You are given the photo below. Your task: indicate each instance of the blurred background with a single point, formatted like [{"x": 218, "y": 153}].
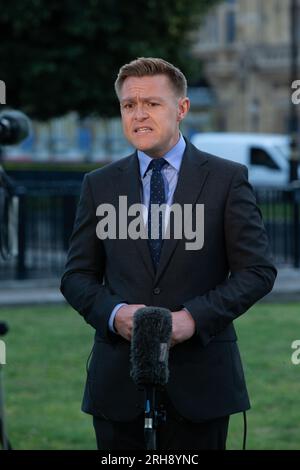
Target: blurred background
[{"x": 58, "y": 64}]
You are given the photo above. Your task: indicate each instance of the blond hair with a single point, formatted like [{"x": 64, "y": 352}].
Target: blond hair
[{"x": 150, "y": 66}]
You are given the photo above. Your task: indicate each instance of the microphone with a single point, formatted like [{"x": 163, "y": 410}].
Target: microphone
[
  {"x": 14, "y": 127},
  {"x": 152, "y": 329},
  {"x": 151, "y": 337}
]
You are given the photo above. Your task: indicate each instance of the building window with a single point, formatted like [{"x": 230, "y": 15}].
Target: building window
[
  {"x": 298, "y": 21},
  {"x": 230, "y": 27}
]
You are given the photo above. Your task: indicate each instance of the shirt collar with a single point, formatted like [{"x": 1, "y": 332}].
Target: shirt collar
[{"x": 173, "y": 156}]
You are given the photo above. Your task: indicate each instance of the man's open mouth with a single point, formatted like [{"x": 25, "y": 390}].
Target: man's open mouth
[{"x": 142, "y": 130}]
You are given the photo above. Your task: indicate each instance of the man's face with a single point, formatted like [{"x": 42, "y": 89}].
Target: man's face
[{"x": 151, "y": 113}]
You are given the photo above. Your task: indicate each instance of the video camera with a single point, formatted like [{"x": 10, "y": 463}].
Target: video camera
[{"x": 14, "y": 127}]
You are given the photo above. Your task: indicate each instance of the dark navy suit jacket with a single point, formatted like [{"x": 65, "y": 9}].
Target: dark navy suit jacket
[{"x": 216, "y": 284}]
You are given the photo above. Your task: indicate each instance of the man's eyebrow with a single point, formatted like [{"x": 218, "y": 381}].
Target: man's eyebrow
[{"x": 148, "y": 98}]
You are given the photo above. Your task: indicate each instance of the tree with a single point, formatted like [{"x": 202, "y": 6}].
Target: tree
[{"x": 64, "y": 55}]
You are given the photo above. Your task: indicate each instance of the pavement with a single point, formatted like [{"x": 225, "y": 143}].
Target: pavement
[
  {"x": 46, "y": 291},
  {"x": 286, "y": 287}
]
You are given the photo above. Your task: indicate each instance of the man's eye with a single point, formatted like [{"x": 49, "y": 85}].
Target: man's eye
[
  {"x": 127, "y": 106},
  {"x": 152, "y": 105}
]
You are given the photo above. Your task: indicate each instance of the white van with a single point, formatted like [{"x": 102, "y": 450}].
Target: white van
[{"x": 265, "y": 155}]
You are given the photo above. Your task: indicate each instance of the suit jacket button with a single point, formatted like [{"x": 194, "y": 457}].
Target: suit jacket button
[{"x": 156, "y": 290}]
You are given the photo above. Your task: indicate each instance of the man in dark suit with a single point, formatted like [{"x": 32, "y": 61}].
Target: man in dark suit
[{"x": 205, "y": 286}]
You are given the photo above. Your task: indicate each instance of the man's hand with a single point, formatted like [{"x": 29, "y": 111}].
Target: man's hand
[
  {"x": 183, "y": 326},
  {"x": 123, "y": 322}
]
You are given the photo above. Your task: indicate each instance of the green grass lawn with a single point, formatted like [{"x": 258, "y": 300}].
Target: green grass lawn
[{"x": 47, "y": 348}]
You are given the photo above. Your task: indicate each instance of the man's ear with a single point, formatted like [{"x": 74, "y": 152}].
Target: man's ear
[{"x": 183, "y": 108}]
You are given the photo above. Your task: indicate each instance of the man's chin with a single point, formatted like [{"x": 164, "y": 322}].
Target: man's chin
[
  {"x": 151, "y": 152},
  {"x": 145, "y": 147}
]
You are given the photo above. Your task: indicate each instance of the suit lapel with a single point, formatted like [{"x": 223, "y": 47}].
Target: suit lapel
[{"x": 130, "y": 185}]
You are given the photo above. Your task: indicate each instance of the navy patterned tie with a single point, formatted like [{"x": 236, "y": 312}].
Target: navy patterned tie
[{"x": 157, "y": 196}]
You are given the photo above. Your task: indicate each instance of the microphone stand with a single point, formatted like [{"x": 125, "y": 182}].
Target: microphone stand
[
  {"x": 150, "y": 419},
  {"x": 153, "y": 417}
]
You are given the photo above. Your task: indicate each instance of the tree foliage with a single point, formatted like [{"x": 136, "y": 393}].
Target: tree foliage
[{"x": 65, "y": 54}]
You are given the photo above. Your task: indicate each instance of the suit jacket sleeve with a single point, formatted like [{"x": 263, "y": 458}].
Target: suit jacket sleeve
[
  {"x": 252, "y": 273},
  {"x": 83, "y": 281}
]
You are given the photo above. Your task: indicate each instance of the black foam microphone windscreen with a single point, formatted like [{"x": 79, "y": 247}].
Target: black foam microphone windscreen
[{"x": 151, "y": 337}]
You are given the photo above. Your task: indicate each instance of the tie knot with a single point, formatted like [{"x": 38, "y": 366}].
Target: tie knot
[{"x": 156, "y": 164}]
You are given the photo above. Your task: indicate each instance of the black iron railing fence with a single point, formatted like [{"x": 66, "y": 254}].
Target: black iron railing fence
[
  {"x": 47, "y": 210},
  {"x": 46, "y": 214},
  {"x": 281, "y": 214}
]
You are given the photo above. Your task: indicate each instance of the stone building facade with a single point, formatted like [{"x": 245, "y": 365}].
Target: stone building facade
[{"x": 245, "y": 48}]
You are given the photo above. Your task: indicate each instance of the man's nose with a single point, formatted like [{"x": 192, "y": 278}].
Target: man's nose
[{"x": 140, "y": 112}]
